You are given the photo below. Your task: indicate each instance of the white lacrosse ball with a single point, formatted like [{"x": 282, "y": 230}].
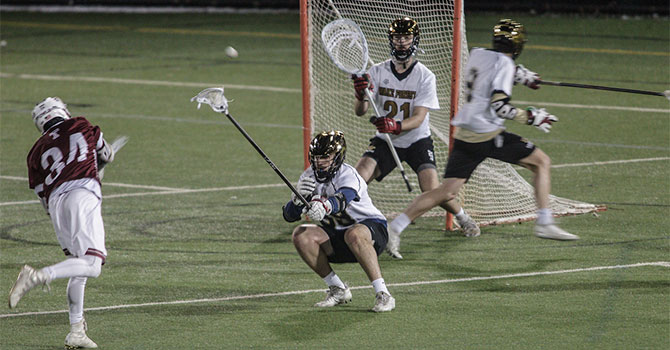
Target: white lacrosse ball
[{"x": 230, "y": 52}]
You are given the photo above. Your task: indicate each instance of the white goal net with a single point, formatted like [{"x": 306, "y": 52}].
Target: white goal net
[{"x": 496, "y": 193}]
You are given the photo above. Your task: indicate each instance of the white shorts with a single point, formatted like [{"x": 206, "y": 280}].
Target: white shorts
[{"x": 77, "y": 219}]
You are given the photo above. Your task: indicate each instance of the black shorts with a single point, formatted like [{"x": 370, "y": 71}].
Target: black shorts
[
  {"x": 465, "y": 156},
  {"x": 341, "y": 251},
  {"x": 419, "y": 155}
]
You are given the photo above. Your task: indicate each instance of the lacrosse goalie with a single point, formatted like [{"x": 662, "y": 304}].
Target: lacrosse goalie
[
  {"x": 406, "y": 89},
  {"x": 63, "y": 169},
  {"x": 350, "y": 228},
  {"x": 490, "y": 75}
]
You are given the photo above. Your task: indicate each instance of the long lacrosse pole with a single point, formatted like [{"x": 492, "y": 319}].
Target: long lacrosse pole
[
  {"x": 665, "y": 94},
  {"x": 267, "y": 159},
  {"x": 387, "y": 138}
]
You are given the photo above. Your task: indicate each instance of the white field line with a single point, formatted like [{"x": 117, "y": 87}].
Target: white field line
[
  {"x": 144, "y": 82},
  {"x": 170, "y": 190},
  {"x": 624, "y": 161},
  {"x": 306, "y": 291},
  {"x": 275, "y": 89}
]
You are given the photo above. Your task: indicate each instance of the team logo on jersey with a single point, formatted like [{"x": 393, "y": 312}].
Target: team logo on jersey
[{"x": 386, "y": 81}]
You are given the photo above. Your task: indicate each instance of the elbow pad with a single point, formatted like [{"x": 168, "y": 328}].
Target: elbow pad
[{"x": 502, "y": 107}]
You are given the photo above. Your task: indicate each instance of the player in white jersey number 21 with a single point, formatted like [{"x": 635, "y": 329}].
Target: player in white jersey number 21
[
  {"x": 405, "y": 90},
  {"x": 490, "y": 75}
]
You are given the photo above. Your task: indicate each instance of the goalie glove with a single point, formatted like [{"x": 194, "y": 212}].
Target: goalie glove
[
  {"x": 306, "y": 187},
  {"x": 540, "y": 118},
  {"x": 319, "y": 209},
  {"x": 361, "y": 83},
  {"x": 388, "y": 126},
  {"x": 526, "y": 77}
]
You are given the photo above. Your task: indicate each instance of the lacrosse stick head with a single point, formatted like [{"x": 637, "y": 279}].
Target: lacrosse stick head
[
  {"x": 346, "y": 46},
  {"x": 214, "y": 98}
]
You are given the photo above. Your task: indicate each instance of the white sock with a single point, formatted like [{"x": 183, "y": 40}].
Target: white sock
[
  {"x": 461, "y": 215},
  {"x": 334, "y": 280},
  {"x": 380, "y": 286},
  {"x": 88, "y": 266},
  {"x": 544, "y": 217},
  {"x": 75, "y": 298},
  {"x": 400, "y": 223}
]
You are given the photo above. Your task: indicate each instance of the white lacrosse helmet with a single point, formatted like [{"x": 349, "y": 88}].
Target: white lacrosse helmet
[{"x": 50, "y": 108}]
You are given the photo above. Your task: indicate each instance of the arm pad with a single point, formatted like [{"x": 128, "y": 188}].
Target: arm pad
[
  {"x": 291, "y": 212},
  {"x": 502, "y": 107}
]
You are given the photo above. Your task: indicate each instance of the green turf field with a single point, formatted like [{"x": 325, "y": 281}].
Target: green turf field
[{"x": 199, "y": 256}]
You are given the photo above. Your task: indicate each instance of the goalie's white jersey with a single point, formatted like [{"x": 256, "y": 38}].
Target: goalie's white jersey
[
  {"x": 486, "y": 71},
  {"x": 396, "y": 98},
  {"x": 358, "y": 209}
]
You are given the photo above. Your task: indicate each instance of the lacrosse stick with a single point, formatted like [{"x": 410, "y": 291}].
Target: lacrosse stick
[
  {"x": 116, "y": 145},
  {"x": 346, "y": 46},
  {"x": 665, "y": 93},
  {"x": 214, "y": 98}
]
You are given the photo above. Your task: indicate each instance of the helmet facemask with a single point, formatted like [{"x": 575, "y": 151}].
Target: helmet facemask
[
  {"x": 403, "y": 26},
  {"x": 509, "y": 37},
  {"x": 49, "y": 112},
  {"x": 325, "y": 145}
]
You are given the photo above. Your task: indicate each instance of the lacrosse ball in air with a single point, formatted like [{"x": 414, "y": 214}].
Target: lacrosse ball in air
[
  {"x": 230, "y": 52},
  {"x": 3, "y": 43}
]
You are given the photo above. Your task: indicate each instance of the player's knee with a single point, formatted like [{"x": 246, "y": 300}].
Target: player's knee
[
  {"x": 94, "y": 266},
  {"x": 301, "y": 235},
  {"x": 356, "y": 236}
]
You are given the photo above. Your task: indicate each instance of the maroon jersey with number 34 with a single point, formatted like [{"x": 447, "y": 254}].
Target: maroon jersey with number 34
[{"x": 66, "y": 152}]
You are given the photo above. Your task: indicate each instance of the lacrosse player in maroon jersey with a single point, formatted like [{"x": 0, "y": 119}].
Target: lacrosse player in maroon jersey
[
  {"x": 480, "y": 131},
  {"x": 406, "y": 91},
  {"x": 64, "y": 170}
]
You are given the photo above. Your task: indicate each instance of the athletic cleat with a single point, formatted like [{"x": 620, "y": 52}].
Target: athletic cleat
[
  {"x": 469, "y": 227},
  {"x": 383, "y": 302},
  {"x": 77, "y": 338},
  {"x": 554, "y": 232},
  {"x": 393, "y": 244},
  {"x": 335, "y": 296},
  {"x": 27, "y": 280}
]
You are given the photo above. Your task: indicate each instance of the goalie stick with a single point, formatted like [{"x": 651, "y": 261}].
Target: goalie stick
[
  {"x": 214, "y": 98},
  {"x": 665, "y": 93},
  {"x": 347, "y": 47}
]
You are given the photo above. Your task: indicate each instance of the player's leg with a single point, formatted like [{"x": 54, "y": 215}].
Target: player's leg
[
  {"x": 314, "y": 246},
  {"x": 366, "y": 241},
  {"x": 540, "y": 164},
  {"x": 376, "y": 162},
  {"x": 367, "y": 168},
  {"x": 421, "y": 157},
  {"x": 77, "y": 337},
  {"x": 80, "y": 231},
  {"x": 427, "y": 181}
]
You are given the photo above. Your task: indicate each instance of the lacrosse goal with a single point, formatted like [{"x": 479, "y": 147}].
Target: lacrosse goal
[{"x": 496, "y": 193}]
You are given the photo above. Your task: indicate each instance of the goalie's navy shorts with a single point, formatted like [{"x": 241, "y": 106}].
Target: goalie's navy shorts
[
  {"x": 466, "y": 156},
  {"x": 419, "y": 155},
  {"x": 341, "y": 251}
]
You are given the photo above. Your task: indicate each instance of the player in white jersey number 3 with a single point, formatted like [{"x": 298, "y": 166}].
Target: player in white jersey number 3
[
  {"x": 350, "y": 228},
  {"x": 405, "y": 90},
  {"x": 490, "y": 75},
  {"x": 63, "y": 169}
]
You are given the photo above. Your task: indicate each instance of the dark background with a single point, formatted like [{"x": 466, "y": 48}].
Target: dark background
[{"x": 586, "y": 7}]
